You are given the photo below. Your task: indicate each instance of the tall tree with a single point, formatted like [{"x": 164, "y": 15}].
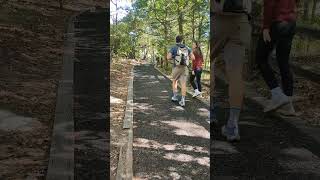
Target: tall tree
[
  {"x": 61, "y": 4},
  {"x": 159, "y": 21},
  {"x": 314, "y": 8}
]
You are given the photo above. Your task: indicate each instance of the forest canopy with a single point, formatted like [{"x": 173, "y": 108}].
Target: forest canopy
[{"x": 150, "y": 27}]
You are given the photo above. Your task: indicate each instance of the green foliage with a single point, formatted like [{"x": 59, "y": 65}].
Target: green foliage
[
  {"x": 157, "y": 23},
  {"x": 120, "y": 39}
]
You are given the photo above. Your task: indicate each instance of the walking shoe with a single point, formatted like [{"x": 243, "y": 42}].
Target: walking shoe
[
  {"x": 287, "y": 110},
  {"x": 232, "y": 134},
  {"x": 174, "y": 99},
  {"x": 196, "y": 93},
  {"x": 182, "y": 103},
  {"x": 276, "y": 102},
  {"x": 212, "y": 119}
]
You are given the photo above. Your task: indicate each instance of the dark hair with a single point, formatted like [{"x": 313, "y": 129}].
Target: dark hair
[
  {"x": 179, "y": 39},
  {"x": 197, "y": 50}
]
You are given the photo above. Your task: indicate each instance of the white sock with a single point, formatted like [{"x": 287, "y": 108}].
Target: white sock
[
  {"x": 234, "y": 115},
  {"x": 183, "y": 98},
  {"x": 175, "y": 94}
]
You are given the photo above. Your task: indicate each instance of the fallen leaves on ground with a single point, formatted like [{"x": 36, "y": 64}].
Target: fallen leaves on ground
[
  {"x": 31, "y": 49},
  {"x": 119, "y": 77}
]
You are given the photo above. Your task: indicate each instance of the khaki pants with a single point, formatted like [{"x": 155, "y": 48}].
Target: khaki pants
[{"x": 237, "y": 29}]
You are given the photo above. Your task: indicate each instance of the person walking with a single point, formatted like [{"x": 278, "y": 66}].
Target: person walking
[
  {"x": 196, "y": 69},
  {"x": 230, "y": 25},
  {"x": 180, "y": 54},
  {"x": 278, "y": 30}
]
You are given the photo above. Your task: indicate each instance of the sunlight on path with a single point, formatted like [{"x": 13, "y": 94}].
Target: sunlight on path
[
  {"x": 205, "y": 161},
  {"x": 114, "y": 100},
  {"x": 13, "y": 122},
  {"x": 152, "y": 144},
  {"x": 188, "y": 129},
  {"x": 299, "y": 160}
]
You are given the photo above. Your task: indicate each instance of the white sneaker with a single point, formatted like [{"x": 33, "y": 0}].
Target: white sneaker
[
  {"x": 277, "y": 102},
  {"x": 196, "y": 93},
  {"x": 174, "y": 99},
  {"x": 232, "y": 134},
  {"x": 182, "y": 103},
  {"x": 287, "y": 110}
]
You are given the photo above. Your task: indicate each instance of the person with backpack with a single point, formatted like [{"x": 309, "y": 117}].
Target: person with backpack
[
  {"x": 196, "y": 69},
  {"x": 278, "y": 30},
  {"x": 180, "y": 54},
  {"x": 231, "y": 34}
]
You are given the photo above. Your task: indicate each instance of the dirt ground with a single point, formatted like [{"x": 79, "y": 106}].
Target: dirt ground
[
  {"x": 31, "y": 49},
  {"x": 119, "y": 77}
]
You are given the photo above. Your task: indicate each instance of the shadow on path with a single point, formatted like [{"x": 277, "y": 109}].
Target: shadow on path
[
  {"x": 269, "y": 149},
  {"x": 169, "y": 142},
  {"x": 91, "y": 102}
]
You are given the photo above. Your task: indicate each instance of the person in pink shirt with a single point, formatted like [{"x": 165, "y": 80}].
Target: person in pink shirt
[
  {"x": 196, "y": 69},
  {"x": 278, "y": 30}
]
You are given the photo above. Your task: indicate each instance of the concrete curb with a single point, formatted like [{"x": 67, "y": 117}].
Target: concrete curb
[
  {"x": 61, "y": 160},
  {"x": 188, "y": 91},
  {"x": 127, "y": 122},
  {"x": 125, "y": 162},
  {"x": 252, "y": 96}
]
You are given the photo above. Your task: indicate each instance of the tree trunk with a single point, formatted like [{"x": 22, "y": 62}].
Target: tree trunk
[
  {"x": 116, "y": 3},
  {"x": 180, "y": 19},
  {"x": 306, "y": 12},
  {"x": 193, "y": 22},
  {"x": 308, "y": 45},
  {"x": 61, "y": 4},
  {"x": 212, "y": 68},
  {"x": 165, "y": 44},
  {"x": 200, "y": 28},
  {"x": 314, "y": 8},
  {"x": 206, "y": 60},
  {"x": 166, "y": 32}
]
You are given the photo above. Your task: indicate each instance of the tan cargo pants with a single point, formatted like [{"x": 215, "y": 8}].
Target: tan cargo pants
[{"x": 237, "y": 30}]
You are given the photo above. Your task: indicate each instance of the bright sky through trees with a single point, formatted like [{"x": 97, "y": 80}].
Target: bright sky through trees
[{"x": 121, "y": 11}]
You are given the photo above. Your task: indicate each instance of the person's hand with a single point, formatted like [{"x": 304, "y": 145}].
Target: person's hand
[
  {"x": 266, "y": 35},
  {"x": 217, "y": 7},
  {"x": 192, "y": 73}
]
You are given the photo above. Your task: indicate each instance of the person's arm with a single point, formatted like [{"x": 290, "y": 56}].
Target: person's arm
[
  {"x": 192, "y": 57},
  {"x": 217, "y": 6},
  {"x": 267, "y": 19},
  {"x": 268, "y": 7},
  {"x": 169, "y": 56},
  {"x": 170, "y": 53}
]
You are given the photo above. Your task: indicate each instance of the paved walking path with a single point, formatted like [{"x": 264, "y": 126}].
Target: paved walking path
[
  {"x": 269, "y": 149},
  {"x": 90, "y": 97},
  {"x": 169, "y": 142}
]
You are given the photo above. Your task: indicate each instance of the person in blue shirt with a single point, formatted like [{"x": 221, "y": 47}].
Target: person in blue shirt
[{"x": 180, "y": 54}]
